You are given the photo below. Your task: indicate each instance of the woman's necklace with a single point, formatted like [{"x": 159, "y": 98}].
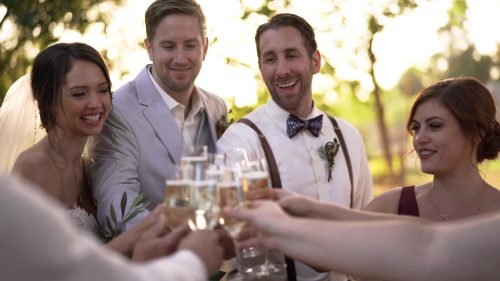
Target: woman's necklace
[{"x": 462, "y": 207}]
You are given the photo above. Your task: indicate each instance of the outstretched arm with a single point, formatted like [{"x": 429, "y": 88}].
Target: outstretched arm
[
  {"x": 303, "y": 206},
  {"x": 384, "y": 249},
  {"x": 60, "y": 252}
]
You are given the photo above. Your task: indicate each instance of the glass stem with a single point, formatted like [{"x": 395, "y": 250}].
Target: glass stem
[
  {"x": 239, "y": 260},
  {"x": 265, "y": 252}
]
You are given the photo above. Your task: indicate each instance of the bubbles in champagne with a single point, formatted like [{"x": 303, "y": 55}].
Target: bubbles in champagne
[
  {"x": 177, "y": 202},
  {"x": 229, "y": 195},
  {"x": 254, "y": 183},
  {"x": 203, "y": 201}
]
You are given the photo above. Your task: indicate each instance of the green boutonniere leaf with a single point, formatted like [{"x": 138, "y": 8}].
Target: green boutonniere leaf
[
  {"x": 223, "y": 123},
  {"x": 328, "y": 153}
]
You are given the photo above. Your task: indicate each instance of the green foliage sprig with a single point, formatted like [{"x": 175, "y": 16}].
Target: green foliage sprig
[
  {"x": 328, "y": 153},
  {"x": 113, "y": 227}
]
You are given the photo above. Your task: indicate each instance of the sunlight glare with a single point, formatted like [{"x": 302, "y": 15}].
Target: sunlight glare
[
  {"x": 322, "y": 83},
  {"x": 331, "y": 97},
  {"x": 408, "y": 40},
  {"x": 252, "y": 4},
  {"x": 484, "y": 16}
]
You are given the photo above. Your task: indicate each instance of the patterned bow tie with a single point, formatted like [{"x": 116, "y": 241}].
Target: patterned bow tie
[{"x": 294, "y": 124}]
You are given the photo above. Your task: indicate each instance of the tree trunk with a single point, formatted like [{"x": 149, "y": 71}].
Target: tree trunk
[{"x": 379, "y": 109}]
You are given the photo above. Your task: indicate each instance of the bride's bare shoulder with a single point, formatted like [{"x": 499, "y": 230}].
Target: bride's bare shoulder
[{"x": 34, "y": 165}]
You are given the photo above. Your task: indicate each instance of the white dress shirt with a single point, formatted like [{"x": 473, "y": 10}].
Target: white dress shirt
[
  {"x": 301, "y": 168},
  {"x": 188, "y": 125},
  {"x": 37, "y": 242}
]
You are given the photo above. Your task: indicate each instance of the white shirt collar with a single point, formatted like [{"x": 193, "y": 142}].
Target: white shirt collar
[
  {"x": 196, "y": 106},
  {"x": 169, "y": 101}
]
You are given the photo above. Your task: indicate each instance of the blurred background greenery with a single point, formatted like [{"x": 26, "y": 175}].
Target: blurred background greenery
[{"x": 376, "y": 55}]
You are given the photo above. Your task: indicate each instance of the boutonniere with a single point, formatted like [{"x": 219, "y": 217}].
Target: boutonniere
[
  {"x": 328, "y": 153},
  {"x": 223, "y": 123}
]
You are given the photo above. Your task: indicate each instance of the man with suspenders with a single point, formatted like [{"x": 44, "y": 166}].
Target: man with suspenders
[{"x": 307, "y": 151}]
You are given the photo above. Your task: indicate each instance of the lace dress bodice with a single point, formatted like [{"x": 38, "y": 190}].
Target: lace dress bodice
[{"x": 82, "y": 219}]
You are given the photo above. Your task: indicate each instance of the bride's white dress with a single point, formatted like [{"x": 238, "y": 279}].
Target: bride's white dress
[{"x": 82, "y": 219}]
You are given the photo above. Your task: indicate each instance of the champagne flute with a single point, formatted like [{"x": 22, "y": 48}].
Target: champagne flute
[
  {"x": 177, "y": 202},
  {"x": 237, "y": 156},
  {"x": 251, "y": 256},
  {"x": 204, "y": 203},
  {"x": 256, "y": 184},
  {"x": 194, "y": 162},
  {"x": 230, "y": 194}
]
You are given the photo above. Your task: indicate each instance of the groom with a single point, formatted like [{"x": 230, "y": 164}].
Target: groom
[{"x": 157, "y": 113}]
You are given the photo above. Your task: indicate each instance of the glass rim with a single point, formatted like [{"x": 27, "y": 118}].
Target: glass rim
[
  {"x": 177, "y": 181},
  {"x": 202, "y": 182},
  {"x": 226, "y": 184},
  {"x": 194, "y": 158}
]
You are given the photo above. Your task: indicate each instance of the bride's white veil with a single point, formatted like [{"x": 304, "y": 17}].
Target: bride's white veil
[{"x": 19, "y": 123}]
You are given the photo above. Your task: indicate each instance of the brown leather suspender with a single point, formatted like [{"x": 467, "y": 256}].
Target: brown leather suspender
[
  {"x": 346, "y": 155},
  {"x": 271, "y": 162}
]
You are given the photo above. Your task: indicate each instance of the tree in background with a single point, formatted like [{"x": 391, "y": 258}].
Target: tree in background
[
  {"x": 374, "y": 26},
  {"x": 34, "y": 25},
  {"x": 458, "y": 62}
]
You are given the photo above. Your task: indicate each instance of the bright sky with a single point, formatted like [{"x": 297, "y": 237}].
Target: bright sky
[{"x": 406, "y": 41}]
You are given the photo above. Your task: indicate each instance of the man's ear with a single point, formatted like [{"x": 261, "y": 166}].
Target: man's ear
[
  {"x": 205, "y": 47},
  {"x": 316, "y": 61},
  {"x": 149, "y": 47}
]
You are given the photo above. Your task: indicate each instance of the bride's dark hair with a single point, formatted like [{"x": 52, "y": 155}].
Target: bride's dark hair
[{"x": 49, "y": 71}]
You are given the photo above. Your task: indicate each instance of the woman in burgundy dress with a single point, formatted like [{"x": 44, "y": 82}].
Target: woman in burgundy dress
[{"x": 453, "y": 126}]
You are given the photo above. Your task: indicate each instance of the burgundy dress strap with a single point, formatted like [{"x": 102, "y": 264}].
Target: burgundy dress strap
[{"x": 408, "y": 202}]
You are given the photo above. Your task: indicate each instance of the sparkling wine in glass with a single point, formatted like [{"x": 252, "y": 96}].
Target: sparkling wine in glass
[
  {"x": 257, "y": 185},
  {"x": 230, "y": 194},
  {"x": 177, "y": 200},
  {"x": 204, "y": 203}
]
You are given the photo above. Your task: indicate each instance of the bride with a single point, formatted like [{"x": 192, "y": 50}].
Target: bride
[{"x": 72, "y": 87}]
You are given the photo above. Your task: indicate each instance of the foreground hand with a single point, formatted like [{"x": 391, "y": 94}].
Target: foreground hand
[
  {"x": 279, "y": 194},
  {"x": 295, "y": 204},
  {"x": 266, "y": 216},
  {"x": 205, "y": 244},
  {"x": 156, "y": 243},
  {"x": 226, "y": 242},
  {"x": 125, "y": 242},
  {"x": 247, "y": 232}
]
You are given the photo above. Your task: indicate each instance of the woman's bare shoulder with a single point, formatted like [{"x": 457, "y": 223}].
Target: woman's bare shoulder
[
  {"x": 34, "y": 165},
  {"x": 493, "y": 198},
  {"x": 386, "y": 202}
]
